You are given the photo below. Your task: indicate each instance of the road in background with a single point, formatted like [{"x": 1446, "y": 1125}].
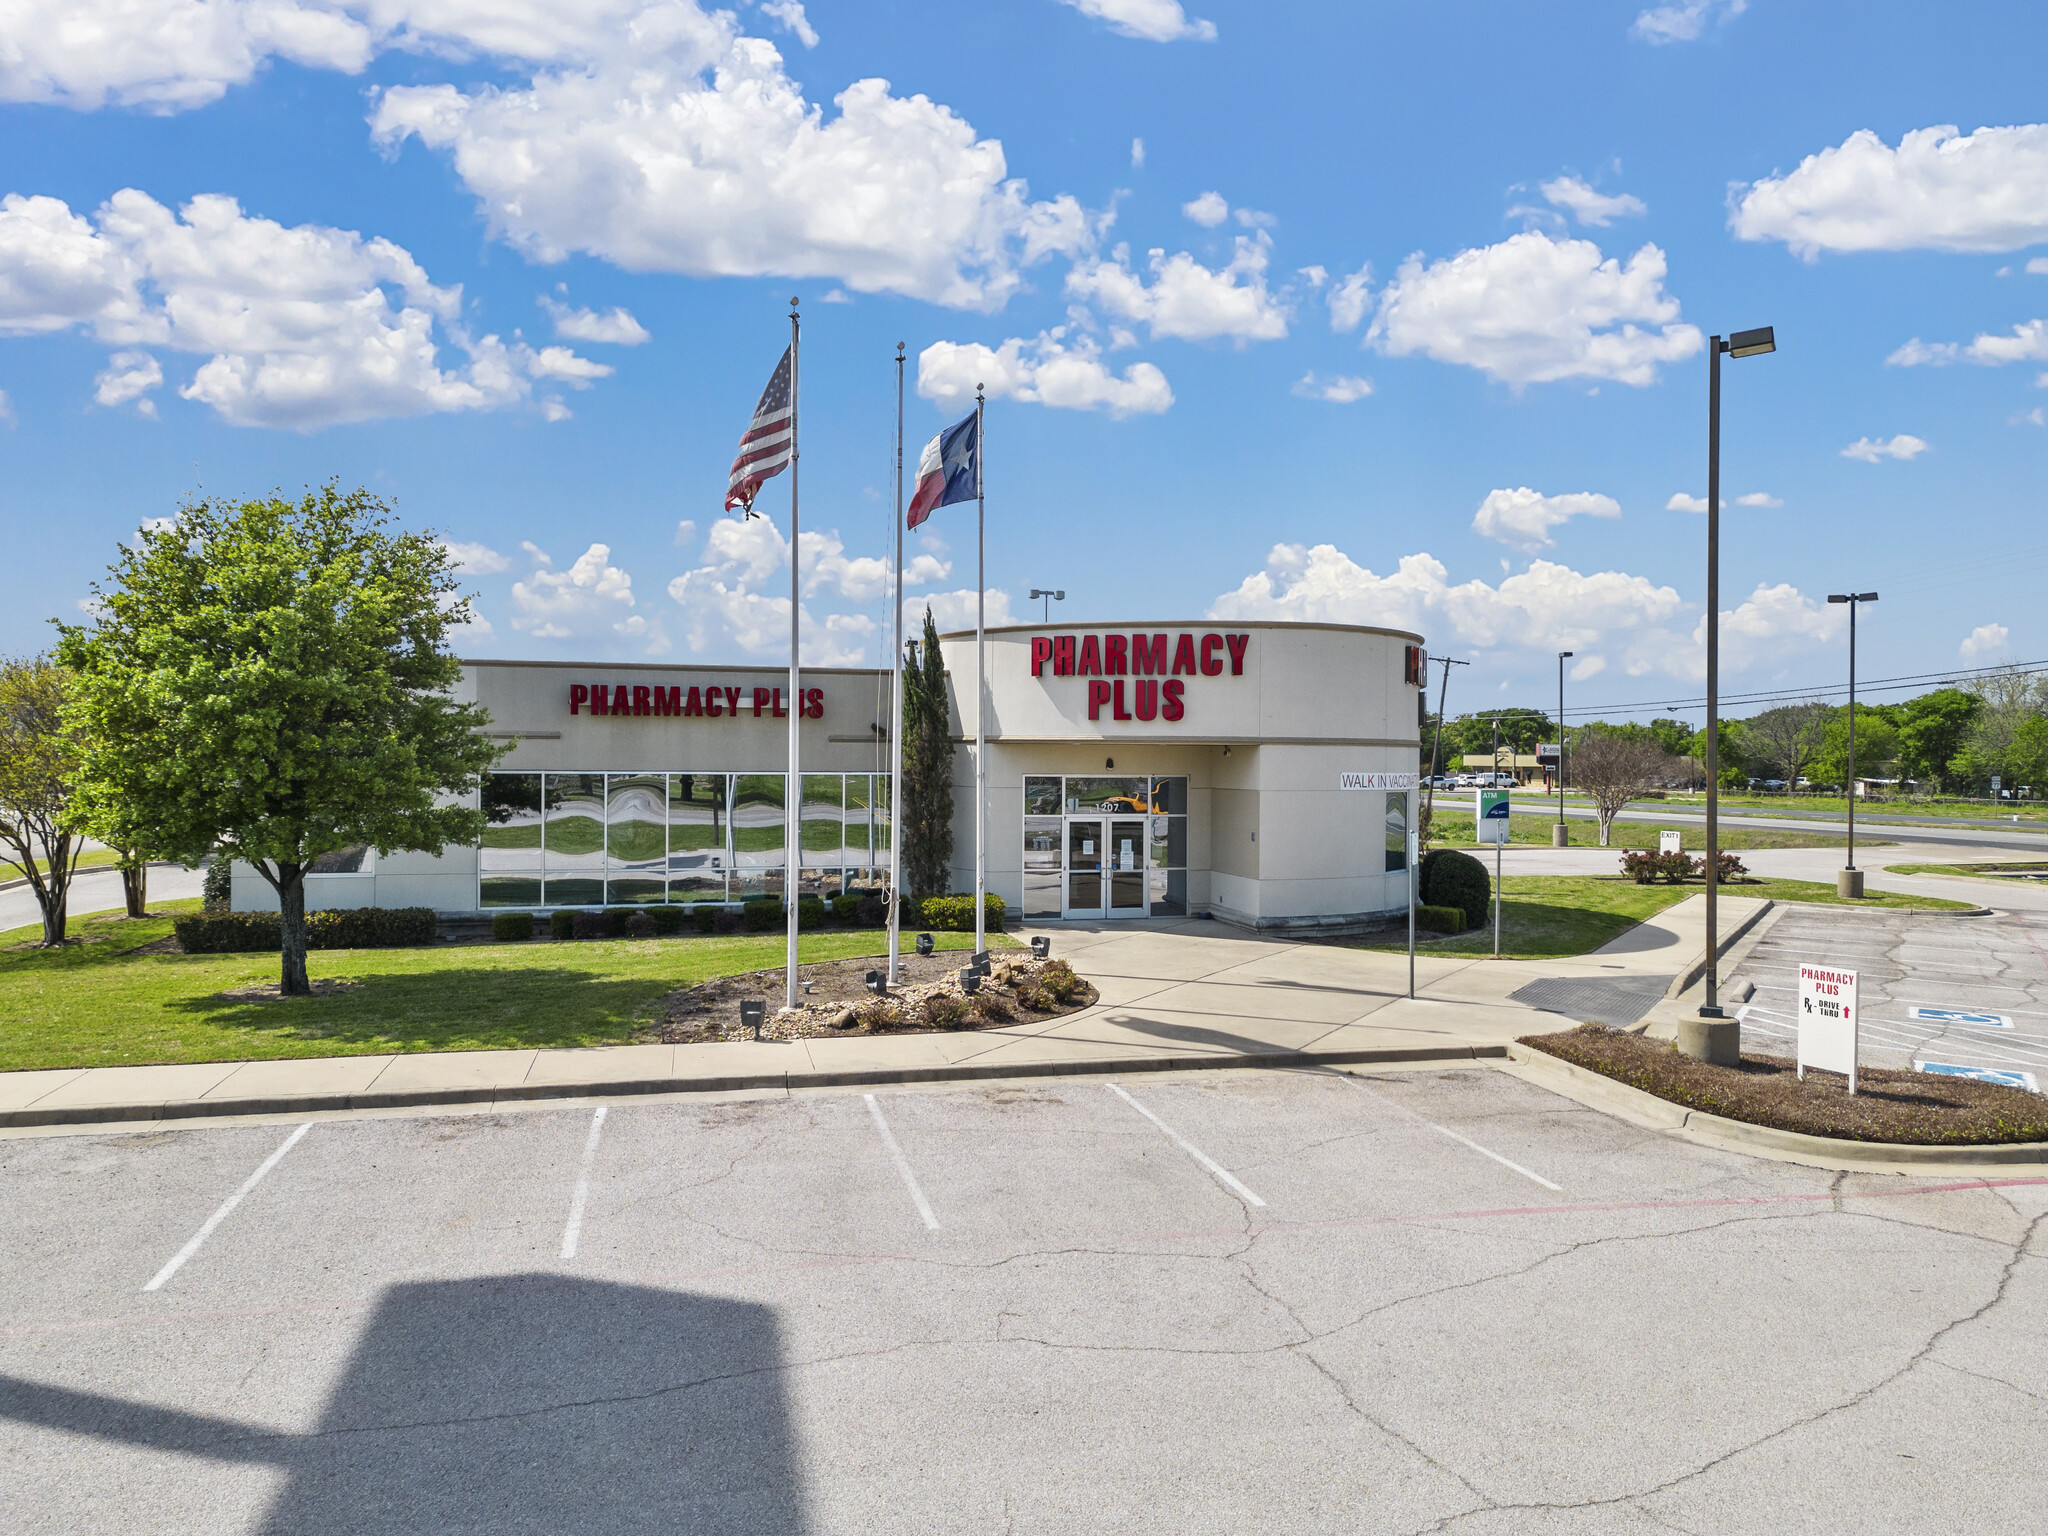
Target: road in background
[{"x": 99, "y": 890}]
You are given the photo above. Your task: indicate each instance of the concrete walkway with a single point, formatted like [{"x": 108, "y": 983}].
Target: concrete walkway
[{"x": 1174, "y": 996}]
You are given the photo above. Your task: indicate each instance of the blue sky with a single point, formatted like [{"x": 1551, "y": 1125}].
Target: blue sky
[{"x": 1368, "y": 313}]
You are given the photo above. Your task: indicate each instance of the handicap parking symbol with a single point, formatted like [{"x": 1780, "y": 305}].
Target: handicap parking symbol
[
  {"x": 1959, "y": 1016},
  {"x": 2009, "y": 1077}
]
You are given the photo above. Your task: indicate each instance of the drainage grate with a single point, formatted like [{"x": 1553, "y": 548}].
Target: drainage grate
[{"x": 1618, "y": 1001}]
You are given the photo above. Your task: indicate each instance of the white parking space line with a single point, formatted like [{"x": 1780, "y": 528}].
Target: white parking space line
[
  {"x": 199, "y": 1238},
  {"x": 924, "y": 1206},
  {"x": 573, "y": 1233},
  {"x": 1444, "y": 1130},
  {"x": 1229, "y": 1180}
]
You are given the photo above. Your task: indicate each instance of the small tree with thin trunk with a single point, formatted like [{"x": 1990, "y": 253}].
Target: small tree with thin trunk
[
  {"x": 1790, "y": 737},
  {"x": 1613, "y": 770},
  {"x": 927, "y": 809},
  {"x": 38, "y": 772},
  {"x": 269, "y": 682}
]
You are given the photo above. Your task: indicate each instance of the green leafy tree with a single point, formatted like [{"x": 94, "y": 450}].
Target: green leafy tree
[
  {"x": 1877, "y": 745},
  {"x": 927, "y": 767},
  {"x": 1935, "y": 728},
  {"x": 2027, "y": 761},
  {"x": 269, "y": 681},
  {"x": 38, "y": 776}
]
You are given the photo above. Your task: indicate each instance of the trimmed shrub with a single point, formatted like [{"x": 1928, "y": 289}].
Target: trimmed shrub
[
  {"x": 640, "y": 925},
  {"x": 562, "y": 924},
  {"x": 762, "y": 914},
  {"x": 616, "y": 919},
  {"x": 955, "y": 914},
  {"x": 1729, "y": 866},
  {"x": 1439, "y": 919},
  {"x": 992, "y": 1008},
  {"x": 370, "y": 928},
  {"x": 1454, "y": 879},
  {"x": 705, "y": 918},
  {"x": 725, "y": 920},
  {"x": 845, "y": 907},
  {"x": 228, "y": 933},
  {"x": 1058, "y": 982},
  {"x": 512, "y": 925},
  {"x": 217, "y": 890},
  {"x": 669, "y": 919},
  {"x": 810, "y": 913},
  {"x": 944, "y": 1010},
  {"x": 871, "y": 912},
  {"x": 590, "y": 925}
]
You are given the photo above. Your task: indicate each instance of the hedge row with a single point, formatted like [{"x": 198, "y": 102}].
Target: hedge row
[
  {"x": 764, "y": 915},
  {"x": 225, "y": 933}
]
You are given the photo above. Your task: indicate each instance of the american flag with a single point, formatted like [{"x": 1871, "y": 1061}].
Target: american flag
[{"x": 764, "y": 447}]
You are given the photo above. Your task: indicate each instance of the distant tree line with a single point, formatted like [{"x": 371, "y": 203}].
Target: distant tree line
[{"x": 1949, "y": 741}]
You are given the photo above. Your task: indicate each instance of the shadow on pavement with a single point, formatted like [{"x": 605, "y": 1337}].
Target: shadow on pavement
[{"x": 535, "y": 1402}]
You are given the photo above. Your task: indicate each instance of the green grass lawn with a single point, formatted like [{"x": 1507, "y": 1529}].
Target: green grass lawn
[
  {"x": 99, "y": 1003},
  {"x": 1456, "y": 831},
  {"x": 1548, "y": 916},
  {"x": 1966, "y": 869},
  {"x": 2026, "y": 810}
]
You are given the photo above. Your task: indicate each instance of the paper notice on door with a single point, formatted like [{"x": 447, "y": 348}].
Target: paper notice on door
[
  {"x": 1126, "y": 859},
  {"x": 1087, "y": 845}
]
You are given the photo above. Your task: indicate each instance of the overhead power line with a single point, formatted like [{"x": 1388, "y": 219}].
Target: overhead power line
[{"x": 1922, "y": 680}]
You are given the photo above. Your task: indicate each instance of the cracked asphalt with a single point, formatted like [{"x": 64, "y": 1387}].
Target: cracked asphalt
[{"x": 1391, "y": 1323}]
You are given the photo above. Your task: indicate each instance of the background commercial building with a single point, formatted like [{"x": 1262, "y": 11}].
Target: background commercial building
[{"x": 1260, "y": 773}]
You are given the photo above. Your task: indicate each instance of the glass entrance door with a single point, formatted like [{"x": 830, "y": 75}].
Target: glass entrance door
[{"x": 1105, "y": 867}]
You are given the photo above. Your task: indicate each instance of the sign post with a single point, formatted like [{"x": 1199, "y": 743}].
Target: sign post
[
  {"x": 1671, "y": 842},
  {"x": 1491, "y": 814},
  {"x": 1414, "y": 859},
  {"x": 1828, "y": 1021}
]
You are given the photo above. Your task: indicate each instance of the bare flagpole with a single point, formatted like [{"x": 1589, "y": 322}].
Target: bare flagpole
[
  {"x": 980, "y": 668},
  {"x": 896, "y": 723},
  {"x": 793, "y": 788}
]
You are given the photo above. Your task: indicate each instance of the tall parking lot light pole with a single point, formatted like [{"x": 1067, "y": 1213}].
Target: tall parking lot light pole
[
  {"x": 1713, "y": 1036},
  {"x": 1050, "y": 597},
  {"x": 1560, "y": 836},
  {"x": 1849, "y": 881}
]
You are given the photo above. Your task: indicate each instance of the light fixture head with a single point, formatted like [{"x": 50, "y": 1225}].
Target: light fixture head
[
  {"x": 1562, "y": 654},
  {"x": 1838, "y": 597},
  {"x": 1751, "y": 343}
]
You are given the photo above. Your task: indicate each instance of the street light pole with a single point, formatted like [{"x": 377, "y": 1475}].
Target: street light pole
[
  {"x": 1560, "y": 836},
  {"x": 1050, "y": 597},
  {"x": 1849, "y": 881},
  {"x": 1713, "y": 1036}
]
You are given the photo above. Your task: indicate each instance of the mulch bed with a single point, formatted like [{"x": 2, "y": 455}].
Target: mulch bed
[
  {"x": 1915, "y": 1108},
  {"x": 839, "y": 1004}
]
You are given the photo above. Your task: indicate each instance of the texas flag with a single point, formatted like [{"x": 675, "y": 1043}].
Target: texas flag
[{"x": 949, "y": 471}]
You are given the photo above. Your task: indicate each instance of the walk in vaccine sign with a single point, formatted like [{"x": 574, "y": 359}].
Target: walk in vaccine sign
[
  {"x": 1827, "y": 1021},
  {"x": 1491, "y": 815}
]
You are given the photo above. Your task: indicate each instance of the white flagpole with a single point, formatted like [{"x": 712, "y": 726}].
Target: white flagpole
[
  {"x": 793, "y": 788},
  {"x": 896, "y": 724},
  {"x": 980, "y": 664}
]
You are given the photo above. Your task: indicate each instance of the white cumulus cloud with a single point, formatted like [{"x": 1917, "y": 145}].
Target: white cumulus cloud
[
  {"x": 1350, "y": 299},
  {"x": 1940, "y": 190},
  {"x": 474, "y": 559},
  {"x": 1208, "y": 210},
  {"x": 791, "y": 14},
  {"x": 2028, "y": 343},
  {"x": 1532, "y": 309},
  {"x": 303, "y": 326},
  {"x": 1684, "y": 20},
  {"x": 1757, "y": 499},
  {"x": 615, "y": 327},
  {"x": 1186, "y": 299},
  {"x": 1155, "y": 21},
  {"x": 1338, "y": 388},
  {"x": 128, "y": 376},
  {"x": 1055, "y": 368},
  {"x": 682, "y": 146},
  {"x": 737, "y": 596},
  {"x": 1876, "y": 450},
  {"x": 1590, "y": 207},
  {"x": 591, "y": 600},
  {"x": 1985, "y": 640},
  {"x": 1522, "y": 518}
]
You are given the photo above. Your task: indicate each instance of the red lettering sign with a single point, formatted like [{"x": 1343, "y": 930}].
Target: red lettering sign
[
  {"x": 1098, "y": 695},
  {"x": 1212, "y": 664},
  {"x": 760, "y": 701},
  {"x": 1184, "y": 655},
  {"x": 1113, "y": 655},
  {"x": 694, "y": 705},
  {"x": 641, "y": 703},
  {"x": 714, "y": 699},
  {"x": 1170, "y": 707},
  {"x": 1063, "y": 656},
  {"x": 600, "y": 699},
  {"x": 1148, "y": 658},
  {"x": 1091, "y": 658},
  {"x": 1041, "y": 653},
  {"x": 1148, "y": 698},
  {"x": 1236, "y": 645},
  {"x": 579, "y": 695},
  {"x": 732, "y": 701},
  {"x": 1118, "y": 712}
]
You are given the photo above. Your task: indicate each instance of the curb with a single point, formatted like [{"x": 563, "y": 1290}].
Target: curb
[
  {"x": 1603, "y": 1093},
  {"x": 94, "y": 869},
  {"x": 1688, "y": 977},
  {"x": 527, "y": 1093}
]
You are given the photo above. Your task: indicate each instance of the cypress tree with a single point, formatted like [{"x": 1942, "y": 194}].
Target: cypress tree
[{"x": 927, "y": 822}]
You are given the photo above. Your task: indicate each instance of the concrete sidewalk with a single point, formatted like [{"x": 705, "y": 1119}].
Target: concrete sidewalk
[{"x": 1173, "y": 996}]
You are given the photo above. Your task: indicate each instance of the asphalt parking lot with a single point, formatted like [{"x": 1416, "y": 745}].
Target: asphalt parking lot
[
  {"x": 1429, "y": 1300},
  {"x": 1956, "y": 991}
]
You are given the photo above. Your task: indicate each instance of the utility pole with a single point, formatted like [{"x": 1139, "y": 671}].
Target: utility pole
[{"x": 1436, "y": 752}]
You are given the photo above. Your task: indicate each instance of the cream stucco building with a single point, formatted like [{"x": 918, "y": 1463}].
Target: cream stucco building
[{"x": 1262, "y": 774}]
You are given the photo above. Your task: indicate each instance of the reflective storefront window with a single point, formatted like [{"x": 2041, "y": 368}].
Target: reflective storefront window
[
  {"x": 1042, "y": 797},
  {"x": 1397, "y": 831},
  {"x": 1099, "y": 794},
  {"x": 636, "y": 823},
  {"x": 697, "y": 824},
  {"x": 575, "y": 821},
  {"x": 1042, "y": 861},
  {"x": 511, "y": 837}
]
